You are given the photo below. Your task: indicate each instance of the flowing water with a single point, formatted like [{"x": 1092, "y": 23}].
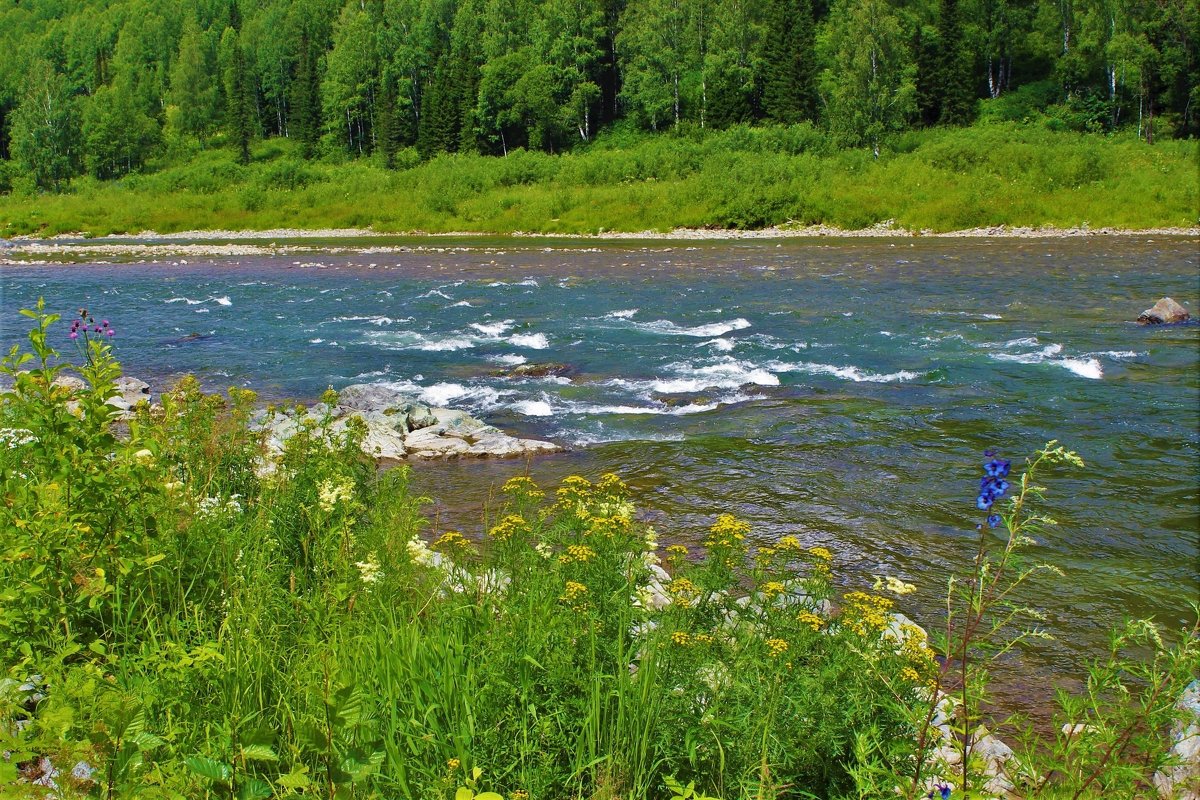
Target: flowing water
[{"x": 839, "y": 390}]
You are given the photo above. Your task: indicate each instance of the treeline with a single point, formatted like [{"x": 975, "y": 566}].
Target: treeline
[{"x": 104, "y": 85}]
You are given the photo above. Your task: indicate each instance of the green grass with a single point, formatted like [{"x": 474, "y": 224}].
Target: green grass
[{"x": 938, "y": 180}]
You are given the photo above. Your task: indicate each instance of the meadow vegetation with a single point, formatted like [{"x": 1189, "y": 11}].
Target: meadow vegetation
[
  {"x": 181, "y": 617},
  {"x": 995, "y": 173}
]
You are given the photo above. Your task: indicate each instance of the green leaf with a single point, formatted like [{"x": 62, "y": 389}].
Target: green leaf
[
  {"x": 259, "y": 752},
  {"x": 488, "y": 796},
  {"x": 464, "y": 793},
  {"x": 209, "y": 768},
  {"x": 296, "y": 779},
  {"x": 254, "y": 789}
]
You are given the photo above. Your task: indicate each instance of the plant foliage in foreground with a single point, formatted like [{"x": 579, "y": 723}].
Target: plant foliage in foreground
[{"x": 181, "y": 618}]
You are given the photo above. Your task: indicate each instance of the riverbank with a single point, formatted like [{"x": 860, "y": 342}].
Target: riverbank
[{"x": 983, "y": 180}]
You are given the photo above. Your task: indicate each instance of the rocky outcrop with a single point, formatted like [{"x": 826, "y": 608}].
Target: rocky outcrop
[
  {"x": 400, "y": 427},
  {"x": 550, "y": 370},
  {"x": 1165, "y": 312}
]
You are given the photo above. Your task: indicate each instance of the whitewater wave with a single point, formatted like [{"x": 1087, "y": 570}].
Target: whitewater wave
[
  {"x": 492, "y": 329},
  {"x": 374, "y": 320},
  {"x": 664, "y": 327},
  {"x": 508, "y": 359},
  {"x": 1051, "y": 354},
  {"x": 720, "y": 345},
  {"x": 727, "y": 374},
  {"x": 411, "y": 340},
  {"x": 534, "y": 341},
  {"x": 623, "y": 314},
  {"x": 850, "y": 373}
]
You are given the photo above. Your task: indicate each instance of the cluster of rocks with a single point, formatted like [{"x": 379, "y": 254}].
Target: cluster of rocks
[{"x": 399, "y": 427}]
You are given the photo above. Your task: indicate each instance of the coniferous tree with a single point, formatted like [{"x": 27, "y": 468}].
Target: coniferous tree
[
  {"x": 305, "y": 122},
  {"x": 953, "y": 76},
  {"x": 239, "y": 94},
  {"x": 790, "y": 65}
]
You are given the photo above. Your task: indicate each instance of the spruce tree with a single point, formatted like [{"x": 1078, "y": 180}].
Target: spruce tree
[
  {"x": 239, "y": 94},
  {"x": 954, "y": 82},
  {"x": 789, "y": 80},
  {"x": 306, "y": 99}
]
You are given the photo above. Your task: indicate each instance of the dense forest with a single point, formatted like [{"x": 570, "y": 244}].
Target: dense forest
[{"x": 101, "y": 86}]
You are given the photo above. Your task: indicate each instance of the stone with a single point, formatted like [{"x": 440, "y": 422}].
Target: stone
[
  {"x": 1165, "y": 312},
  {"x": 130, "y": 392},
  {"x": 72, "y": 384},
  {"x": 550, "y": 370},
  {"x": 374, "y": 397},
  {"x": 1181, "y": 780}
]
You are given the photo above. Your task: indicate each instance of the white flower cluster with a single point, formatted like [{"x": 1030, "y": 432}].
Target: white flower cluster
[
  {"x": 419, "y": 552},
  {"x": 12, "y": 437},
  {"x": 331, "y": 492},
  {"x": 217, "y": 507},
  {"x": 369, "y": 570},
  {"x": 893, "y": 585}
]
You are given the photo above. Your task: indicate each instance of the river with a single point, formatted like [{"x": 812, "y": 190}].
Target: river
[{"x": 843, "y": 391}]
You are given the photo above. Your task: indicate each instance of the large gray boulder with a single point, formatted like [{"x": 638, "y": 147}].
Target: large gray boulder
[
  {"x": 1181, "y": 780},
  {"x": 1165, "y": 312}
]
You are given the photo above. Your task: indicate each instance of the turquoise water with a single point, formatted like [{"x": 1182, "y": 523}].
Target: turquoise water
[{"x": 841, "y": 391}]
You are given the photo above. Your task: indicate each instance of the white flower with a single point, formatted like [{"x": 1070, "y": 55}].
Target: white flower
[
  {"x": 330, "y": 493},
  {"x": 419, "y": 552},
  {"x": 369, "y": 570},
  {"x": 544, "y": 550}
]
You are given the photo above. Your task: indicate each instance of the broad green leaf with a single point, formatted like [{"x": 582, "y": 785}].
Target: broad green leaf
[
  {"x": 296, "y": 779},
  {"x": 259, "y": 752},
  {"x": 464, "y": 793},
  {"x": 209, "y": 768}
]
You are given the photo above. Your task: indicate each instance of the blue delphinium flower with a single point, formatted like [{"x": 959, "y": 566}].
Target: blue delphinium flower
[
  {"x": 940, "y": 791},
  {"x": 993, "y": 520},
  {"x": 992, "y": 485}
]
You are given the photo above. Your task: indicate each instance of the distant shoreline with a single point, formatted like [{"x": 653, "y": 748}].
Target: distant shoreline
[{"x": 255, "y": 242}]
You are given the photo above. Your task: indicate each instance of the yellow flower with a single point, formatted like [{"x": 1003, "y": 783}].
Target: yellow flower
[
  {"x": 580, "y": 553},
  {"x": 772, "y": 588},
  {"x": 452, "y": 543},
  {"x": 576, "y": 595},
  {"x": 864, "y": 613},
  {"x": 683, "y": 591},
  {"x": 522, "y": 488},
  {"x": 821, "y": 553},
  {"x": 505, "y": 528},
  {"x": 777, "y": 647},
  {"x": 704, "y": 638},
  {"x": 810, "y": 619},
  {"x": 519, "y": 794},
  {"x": 727, "y": 531},
  {"x": 453, "y": 764},
  {"x": 911, "y": 675},
  {"x": 681, "y": 638},
  {"x": 788, "y": 544},
  {"x": 677, "y": 550}
]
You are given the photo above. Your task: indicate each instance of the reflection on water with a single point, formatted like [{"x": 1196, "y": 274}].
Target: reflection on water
[{"x": 842, "y": 391}]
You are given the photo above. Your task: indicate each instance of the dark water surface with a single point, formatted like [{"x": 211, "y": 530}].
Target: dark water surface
[{"x": 842, "y": 391}]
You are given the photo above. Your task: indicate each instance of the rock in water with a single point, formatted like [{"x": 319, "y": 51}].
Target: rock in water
[
  {"x": 1165, "y": 312},
  {"x": 1181, "y": 780}
]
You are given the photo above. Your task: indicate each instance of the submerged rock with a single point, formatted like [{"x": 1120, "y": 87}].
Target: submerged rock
[
  {"x": 550, "y": 370},
  {"x": 1165, "y": 312}
]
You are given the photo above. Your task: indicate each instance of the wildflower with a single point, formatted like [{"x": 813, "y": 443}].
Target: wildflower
[
  {"x": 574, "y": 492},
  {"x": 788, "y": 544},
  {"x": 865, "y": 613},
  {"x": 369, "y": 570},
  {"x": 144, "y": 456},
  {"x": 911, "y": 675},
  {"x": 727, "y": 531},
  {"x": 992, "y": 485},
  {"x": 452, "y": 542},
  {"x": 810, "y": 619},
  {"x": 772, "y": 588},
  {"x": 894, "y": 585},
  {"x": 703, "y": 638},
  {"x": 519, "y": 794},
  {"x": 941, "y": 791},
  {"x": 683, "y": 591},
  {"x": 329, "y": 397},
  {"x": 576, "y": 595},
  {"x": 453, "y": 764},
  {"x": 677, "y": 550},
  {"x": 418, "y": 552},
  {"x": 993, "y": 520},
  {"x": 777, "y": 647},
  {"x": 681, "y": 638},
  {"x": 330, "y": 493},
  {"x": 505, "y": 528},
  {"x": 543, "y": 550},
  {"x": 821, "y": 554},
  {"x": 521, "y": 488},
  {"x": 579, "y": 553}
]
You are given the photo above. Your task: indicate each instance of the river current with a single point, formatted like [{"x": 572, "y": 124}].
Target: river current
[{"x": 843, "y": 391}]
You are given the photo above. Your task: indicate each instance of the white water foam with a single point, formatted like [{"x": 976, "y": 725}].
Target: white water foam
[
  {"x": 378, "y": 320},
  {"x": 187, "y": 300},
  {"x": 720, "y": 345},
  {"x": 222, "y": 301},
  {"x": 492, "y": 329},
  {"x": 534, "y": 341},
  {"x": 664, "y": 327},
  {"x": 411, "y": 340},
  {"x": 850, "y": 373},
  {"x": 624, "y": 314},
  {"x": 533, "y": 408},
  {"x": 1083, "y": 367},
  {"x": 508, "y": 359},
  {"x": 461, "y": 304}
]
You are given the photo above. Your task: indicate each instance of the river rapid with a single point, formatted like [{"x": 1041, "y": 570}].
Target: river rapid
[{"x": 842, "y": 391}]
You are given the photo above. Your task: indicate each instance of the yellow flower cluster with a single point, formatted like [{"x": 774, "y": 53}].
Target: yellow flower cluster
[
  {"x": 910, "y": 675},
  {"x": 576, "y": 595},
  {"x": 727, "y": 531},
  {"x": 772, "y": 588},
  {"x": 683, "y": 591},
  {"x": 681, "y": 638},
  {"x": 504, "y": 530},
  {"x": 574, "y": 492},
  {"x": 612, "y": 487},
  {"x": 703, "y": 638},
  {"x": 521, "y": 488},
  {"x": 453, "y": 764},
  {"x": 452, "y": 543},
  {"x": 788, "y": 544},
  {"x": 915, "y": 649},
  {"x": 519, "y": 794},
  {"x": 577, "y": 553},
  {"x": 677, "y": 550},
  {"x": 608, "y": 527},
  {"x": 810, "y": 619},
  {"x": 821, "y": 554},
  {"x": 866, "y": 613},
  {"x": 776, "y": 647}
]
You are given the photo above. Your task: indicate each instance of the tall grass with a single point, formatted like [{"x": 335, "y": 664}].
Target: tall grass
[{"x": 938, "y": 180}]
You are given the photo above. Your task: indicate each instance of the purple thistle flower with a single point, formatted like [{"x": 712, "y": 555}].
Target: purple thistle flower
[
  {"x": 111, "y": 332},
  {"x": 73, "y": 335}
]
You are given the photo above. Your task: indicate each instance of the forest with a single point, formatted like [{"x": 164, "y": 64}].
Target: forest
[{"x": 102, "y": 87}]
